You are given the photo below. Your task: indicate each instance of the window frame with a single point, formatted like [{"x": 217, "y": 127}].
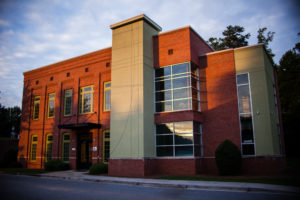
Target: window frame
[
  {"x": 104, "y": 95},
  {"x": 65, "y": 100},
  {"x": 246, "y": 113},
  {"x": 190, "y": 88},
  {"x": 46, "y": 146},
  {"x": 64, "y": 141},
  {"x": 81, "y": 99},
  {"x": 174, "y": 145},
  {"x": 103, "y": 145},
  {"x": 36, "y": 100},
  {"x": 51, "y": 99},
  {"x": 31, "y": 148}
]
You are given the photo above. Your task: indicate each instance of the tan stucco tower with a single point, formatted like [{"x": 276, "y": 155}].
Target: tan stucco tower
[{"x": 132, "y": 93}]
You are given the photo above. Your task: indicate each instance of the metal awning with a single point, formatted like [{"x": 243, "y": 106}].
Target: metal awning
[{"x": 79, "y": 126}]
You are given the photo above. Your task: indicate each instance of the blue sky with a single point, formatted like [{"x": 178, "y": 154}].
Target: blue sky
[{"x": 37, "y": 33}]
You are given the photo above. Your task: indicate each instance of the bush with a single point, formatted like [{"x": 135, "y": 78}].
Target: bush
[
  {"x": 10, "y": 159},
  {"x": 228, "y": 158},
  {"x": 98, "y": 169},
  {"x": 56, "y": 165}
]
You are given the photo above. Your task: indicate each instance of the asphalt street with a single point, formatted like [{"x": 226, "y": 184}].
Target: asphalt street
[{"x": 28, "y": 187}]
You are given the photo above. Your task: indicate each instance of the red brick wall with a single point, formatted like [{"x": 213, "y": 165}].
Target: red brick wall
[
  {"x": 178, "y": 40},
  {"x": 97, "y": 74},
  {"x": 126, "y": 167},
  {"x": 219, "y": 103}
]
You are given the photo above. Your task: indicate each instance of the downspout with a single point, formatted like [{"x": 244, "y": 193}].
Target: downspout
[
  {"x": 45, "y": 101},
  {"x": 29, "y": 127},
  {"x": 59, "y": 120},
  {"x": 98, "y": 146}
]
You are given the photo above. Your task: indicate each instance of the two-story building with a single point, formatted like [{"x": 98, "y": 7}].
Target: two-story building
[{"x": 153, "y": 103}]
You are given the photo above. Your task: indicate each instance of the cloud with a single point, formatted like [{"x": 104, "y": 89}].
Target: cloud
[{"x": 4, "y": 23}]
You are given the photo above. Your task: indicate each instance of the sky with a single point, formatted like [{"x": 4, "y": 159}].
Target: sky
[{"x": 35, "y": 33}]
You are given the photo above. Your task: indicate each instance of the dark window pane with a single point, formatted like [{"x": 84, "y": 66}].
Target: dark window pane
[
  {"x": 164, "y": 140},
  {"x": 242, "y": 78},
  {"x": 246, "y": 126},
  {"x": 194, "y": 69},
  {"x": 197, "y": 128},
  {"x": 164, "y": 151},
  {"x": 163, "y": 106},
  {"x": 181, "y": 93},
  {"x": 184, "y": 127},
  {"x": 165, "y": 71},
  {"x": 197, "y": 139},
  {"x": 184, "y": 138},
  {"x": 183, "y": 150},
  {"x": 244, "y": 99},
  {"x": 164, "y": 128},
  {"x": 181, "y": 82},
  {"x": 163, "y": 96},
  {"x": 182, "y": 104},
  {"x": 163, "y": 85},
  {"x": 248, "y": 149},
  {"x": 180, "y": 68},
  {"x": 196, "y": 105},
  {"x": 197, "y": 150}
]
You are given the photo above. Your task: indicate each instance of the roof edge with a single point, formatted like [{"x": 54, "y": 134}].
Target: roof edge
[{"x": 135, "y": 19}]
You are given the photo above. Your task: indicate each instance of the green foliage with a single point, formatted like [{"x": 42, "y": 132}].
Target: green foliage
[
  {"x": 56, "y": 165},
  {"x": 289, "y": 86},
  {"x": 233, "y": 38},
  {"x": 9, "y": 117},
  {"x": 10, "y": 159},
  {"x": 228, "y": 158},
  {"x": 100, "y": 168},
  {"x": 261, "y": 38}
]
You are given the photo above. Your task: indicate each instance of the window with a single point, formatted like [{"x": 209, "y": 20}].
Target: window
[
  {"x": 66, "y": 147},
  {"x": 51, "y": 105},
  {"x": 170, "y": 51},
  {"x": 106, "y": 145},
  {"x": 177, "y": 88},
  {"x": 106, "y": 96},
  {"x": 178, "y": 139},
  {"x": 49, "y": 144},
  {"x": 86, "y": 99},
  {"x": 245, "y": 112},
  {"x": 36, "y": 107},
  {"x": 33, "y": 148},
  {"x": 51, "y": 78},
  {"x": 68, "y": 103}
]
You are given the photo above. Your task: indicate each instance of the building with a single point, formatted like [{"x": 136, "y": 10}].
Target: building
[{"x": 153, "y": 103}]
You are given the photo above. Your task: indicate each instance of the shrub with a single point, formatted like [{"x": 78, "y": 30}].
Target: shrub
[
  {"x": 56, "y": 165},
  {"x": 228, "y": 158},
  {"x": 10, "y": 159},
  {"x": 98, "y": 169}
]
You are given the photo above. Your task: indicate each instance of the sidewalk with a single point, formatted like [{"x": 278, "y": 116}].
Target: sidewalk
[{"x": 201, "y": 185}]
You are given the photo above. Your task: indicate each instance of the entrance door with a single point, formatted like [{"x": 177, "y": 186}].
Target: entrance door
[{"x": 84, "y": 151}]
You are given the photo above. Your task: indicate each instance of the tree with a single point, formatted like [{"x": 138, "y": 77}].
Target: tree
[
  {"x": 233, "y": 38},
  {"x": 265, "y": 39},
  {"x": 9, "y": 117},
  {"x": 289, "y": 86}
]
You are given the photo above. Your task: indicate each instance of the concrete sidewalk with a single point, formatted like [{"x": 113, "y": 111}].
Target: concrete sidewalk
[{"x": 201, "y": 185}]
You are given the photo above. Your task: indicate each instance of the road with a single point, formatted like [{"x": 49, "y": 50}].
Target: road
[{"x": 28, "y": 187}]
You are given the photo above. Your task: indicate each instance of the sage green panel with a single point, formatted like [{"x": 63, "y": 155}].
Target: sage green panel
[
  {"x": 149, "y": 133},
  {"x": 130, "y": 124},
  {"x": 252, "y": 60}
]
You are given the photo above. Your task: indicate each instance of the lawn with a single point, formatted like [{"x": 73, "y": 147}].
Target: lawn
[{"x": 21, "y": 171}]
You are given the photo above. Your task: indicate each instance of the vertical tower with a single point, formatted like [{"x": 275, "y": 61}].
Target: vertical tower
[{"x": 132, "y": 96}]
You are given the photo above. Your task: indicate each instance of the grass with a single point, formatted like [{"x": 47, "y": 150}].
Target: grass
[
  {"x": 23, "y": 171},
  {"x": 288, "y": 181}
]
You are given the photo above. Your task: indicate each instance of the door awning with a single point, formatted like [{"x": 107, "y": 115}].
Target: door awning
[{"x": 79, "y": 126}]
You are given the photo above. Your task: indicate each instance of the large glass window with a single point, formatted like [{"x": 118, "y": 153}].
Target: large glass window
[
  {"x": 106, "y": 145},
  {"x": 68, "y": 103},
  {"x": 245, "y": 112},
  {"x": 33, "y": 148},
  {"x": 86, "y": 99},
  {"x": 49, "y": 144},
  {"x": 106, "y": 97},
  {"x": 178, "y": 139},
  {"x": 177, "y": 88},
  {"x": 51, "y": 105},
  {"x": 36, "y": 107},
  {"x": 66, "y": 147}
]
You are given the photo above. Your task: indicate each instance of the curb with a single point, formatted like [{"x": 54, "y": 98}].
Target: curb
[{"x": 195, "y": 185}]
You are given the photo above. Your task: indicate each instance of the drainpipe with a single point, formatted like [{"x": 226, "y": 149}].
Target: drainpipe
[
  {"x": 29, "y": 127},
  {"x": 45, "y": 113}
]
